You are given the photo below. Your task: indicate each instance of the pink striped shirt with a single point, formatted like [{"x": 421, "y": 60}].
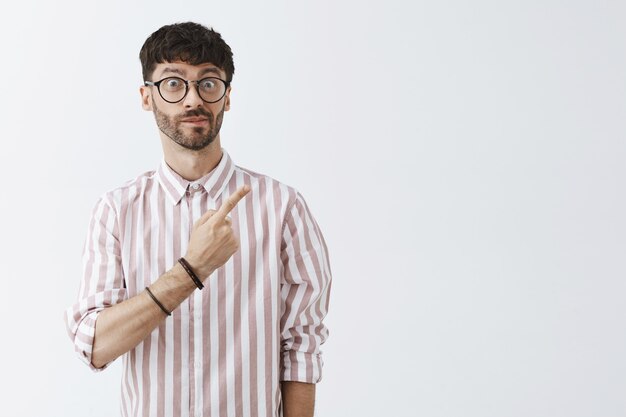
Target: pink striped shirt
[{"x": 257, "y": 322}]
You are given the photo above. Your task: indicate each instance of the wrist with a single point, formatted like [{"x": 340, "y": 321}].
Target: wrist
[
  {"x": 187, "y": 267},
  {"x": 198, "y": 269},
  {"x": 181, "y": 279}
]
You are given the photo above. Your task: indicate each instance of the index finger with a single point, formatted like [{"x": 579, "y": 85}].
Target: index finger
[{"x": 231, "y": 202}]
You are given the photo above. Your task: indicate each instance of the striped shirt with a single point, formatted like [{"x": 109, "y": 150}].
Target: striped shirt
[{"x": 258, "y": 321}]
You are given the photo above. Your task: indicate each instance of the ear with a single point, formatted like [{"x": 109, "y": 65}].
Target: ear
[
  {"x": 227, "y": 99},
  {"x": 146, "y": 98}
]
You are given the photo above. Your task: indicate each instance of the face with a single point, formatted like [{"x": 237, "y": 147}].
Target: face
[{"x": 192, "y": 123}]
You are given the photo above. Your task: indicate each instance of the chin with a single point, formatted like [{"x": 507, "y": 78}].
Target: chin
[{"x": 194, "y": 146}]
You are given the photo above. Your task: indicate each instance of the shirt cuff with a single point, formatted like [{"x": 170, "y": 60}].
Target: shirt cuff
[
  {"x": 83, "y": 341},
  {"x": 301, "y": 367}
]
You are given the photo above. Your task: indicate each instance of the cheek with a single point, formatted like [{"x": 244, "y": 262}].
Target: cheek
[
  {"x": 165, "y": 119},
  {"x": 160, "y": 112}
]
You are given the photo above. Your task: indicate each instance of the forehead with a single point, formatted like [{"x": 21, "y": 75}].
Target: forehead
[{"x": 186, "y": 70}]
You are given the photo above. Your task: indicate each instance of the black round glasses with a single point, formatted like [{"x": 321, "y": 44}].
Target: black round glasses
[{"x": 174, "y": 89}]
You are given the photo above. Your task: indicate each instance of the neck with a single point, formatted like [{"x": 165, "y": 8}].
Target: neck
[{"x": 190, "y": 164}]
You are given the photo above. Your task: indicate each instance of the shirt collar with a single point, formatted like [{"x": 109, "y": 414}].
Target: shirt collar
[{"x": 214, "y": 182}]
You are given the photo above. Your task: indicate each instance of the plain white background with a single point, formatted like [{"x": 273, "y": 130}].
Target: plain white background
[{"x": 465, "y": 161}]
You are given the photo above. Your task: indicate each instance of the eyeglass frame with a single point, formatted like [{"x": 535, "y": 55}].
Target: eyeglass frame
[{"x": 197, "y": 82}]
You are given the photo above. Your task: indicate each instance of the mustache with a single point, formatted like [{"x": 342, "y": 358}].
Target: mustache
[{"x": 196, "y": 113}]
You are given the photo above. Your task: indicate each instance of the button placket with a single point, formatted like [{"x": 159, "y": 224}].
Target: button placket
[
  {"x": 191, "y": 367},
  {"x": 195, "y": 193}
]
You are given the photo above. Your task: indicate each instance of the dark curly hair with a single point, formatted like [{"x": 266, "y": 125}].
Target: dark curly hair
[{"x": 187, "y": 42}]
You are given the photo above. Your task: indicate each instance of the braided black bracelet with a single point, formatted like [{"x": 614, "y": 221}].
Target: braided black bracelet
[
  {"x": 193, "y": 276},
  {"x": 157, "y": 302}
]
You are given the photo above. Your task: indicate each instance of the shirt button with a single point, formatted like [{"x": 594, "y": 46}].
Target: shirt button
[{"x": 195, "y": 186}]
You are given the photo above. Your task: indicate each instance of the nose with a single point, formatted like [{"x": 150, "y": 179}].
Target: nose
[{"x": 192, "y": 99}]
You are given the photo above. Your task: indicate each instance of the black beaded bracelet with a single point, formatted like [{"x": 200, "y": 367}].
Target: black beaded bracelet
[
  {"x": 157, "y": 302},
  {"x": 193, "y": 276}
]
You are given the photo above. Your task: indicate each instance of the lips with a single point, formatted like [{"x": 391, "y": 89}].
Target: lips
[{"x": 194, "y": 119}]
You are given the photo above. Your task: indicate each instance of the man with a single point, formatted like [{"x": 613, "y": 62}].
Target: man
[{"x": 210, "y": 280}]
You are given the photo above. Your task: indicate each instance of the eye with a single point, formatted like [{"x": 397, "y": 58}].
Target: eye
[
  {"x": 208, "y": 84},
  {"x": 172, "y": 84}
]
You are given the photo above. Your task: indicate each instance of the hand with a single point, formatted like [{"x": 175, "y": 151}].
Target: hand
[{"x": 212, "y": 240}]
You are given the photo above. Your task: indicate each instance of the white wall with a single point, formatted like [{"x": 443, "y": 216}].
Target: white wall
[{"x": 465, "y": 161}]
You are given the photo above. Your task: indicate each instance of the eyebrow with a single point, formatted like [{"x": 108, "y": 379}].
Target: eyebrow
[
  {"x": 174, "y": 70},
  {"x": 208, "y": 70},
  {"x": 182, "y": 73}
]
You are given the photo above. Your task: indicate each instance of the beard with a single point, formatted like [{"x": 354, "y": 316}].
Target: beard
[{"x": 199, "y": 138}]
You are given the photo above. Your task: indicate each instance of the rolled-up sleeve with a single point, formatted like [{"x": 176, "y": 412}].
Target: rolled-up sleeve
[
  {"x": 305, "y": 291},
  {"x": 102, "y": 283}
]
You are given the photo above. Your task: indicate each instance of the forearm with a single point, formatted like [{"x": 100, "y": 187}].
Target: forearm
[
  {"x": 298, "y": 399},
  {"x": 121, "y": 327}
]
